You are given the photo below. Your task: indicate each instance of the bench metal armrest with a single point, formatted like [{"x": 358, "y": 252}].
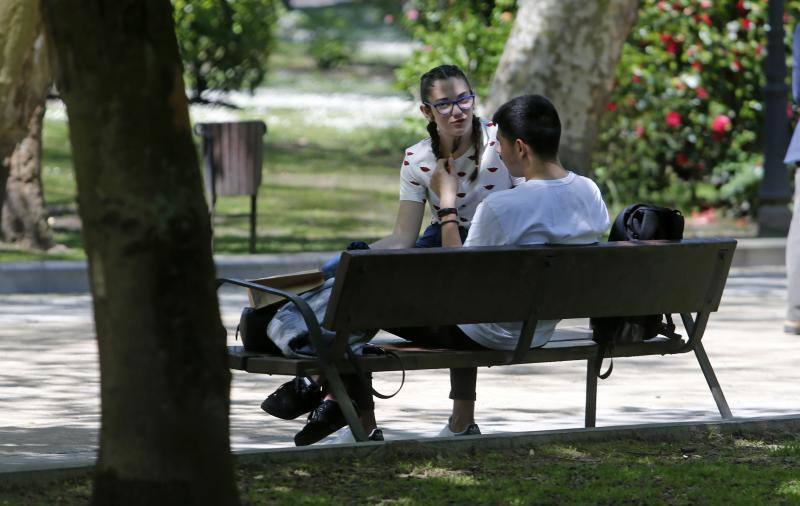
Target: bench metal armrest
[{"x": 305, "y": 310}]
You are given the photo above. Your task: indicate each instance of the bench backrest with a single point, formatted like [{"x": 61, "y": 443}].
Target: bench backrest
[{"x": 417, "y": 287}]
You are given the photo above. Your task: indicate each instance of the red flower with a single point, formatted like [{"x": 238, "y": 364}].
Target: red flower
[
  {"x": 636, "y": 79},
  {"x": 666, "y": 38},
  {"x": 702, "y": 94},
  {"x": 705, "y": 4},
  {"x": 640, "y": 131},
  {"x": 705, "y": 18},
  {"x": 611, "y": 107},
  {"x": 740, "y": 7},
  {"x": 681, "y": 160},
  {"x": 745, "y": 23},
  {"x": 672, "y": 48},
  {"x": 736, "y": 66},
  {"x": 697, "y": 66},
  {"x": 720, "y": 126},
  {"x": 759, "y": 49},
  {"x": 673, "y": 119},
  {"x": 662, "y": 6}
]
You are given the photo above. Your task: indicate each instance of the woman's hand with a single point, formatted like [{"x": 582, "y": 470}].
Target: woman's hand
[{"x": 444, "y": 182}]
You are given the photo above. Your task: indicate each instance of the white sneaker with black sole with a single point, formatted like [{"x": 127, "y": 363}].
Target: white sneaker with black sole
[
  {"x": 471, "y": 430},
  {"x": 345, "y": 436}
]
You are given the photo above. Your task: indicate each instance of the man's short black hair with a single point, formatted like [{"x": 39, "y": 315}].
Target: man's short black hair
[{"x": 533, "y": 119}]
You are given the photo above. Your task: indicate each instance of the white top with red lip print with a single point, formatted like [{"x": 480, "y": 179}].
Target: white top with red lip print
[{"x": 420, "y": 162}]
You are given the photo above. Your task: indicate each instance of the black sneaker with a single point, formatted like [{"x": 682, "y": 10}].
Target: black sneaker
[
  {"x": 293, "y": 398},
  {"x": 325, "y": 419}
]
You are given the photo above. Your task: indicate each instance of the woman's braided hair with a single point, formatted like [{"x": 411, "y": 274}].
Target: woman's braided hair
[{"x": 443, "y": 72}]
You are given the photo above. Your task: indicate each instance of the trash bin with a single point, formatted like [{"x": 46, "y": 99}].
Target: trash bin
[{"x": 232, "y": 156}]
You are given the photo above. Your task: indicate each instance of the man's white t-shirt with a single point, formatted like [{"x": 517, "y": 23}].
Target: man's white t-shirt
[
  {"x": 555, "y": 211},
  {"x": 420, "y": 162}
]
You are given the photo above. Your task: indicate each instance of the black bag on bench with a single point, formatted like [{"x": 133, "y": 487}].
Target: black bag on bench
[
  {"x": 253, "y": 328},
  {"x": 637, "y": 222}
]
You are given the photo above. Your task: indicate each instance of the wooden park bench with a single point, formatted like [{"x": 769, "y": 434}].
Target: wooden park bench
[{"x": 377, "y": 289}]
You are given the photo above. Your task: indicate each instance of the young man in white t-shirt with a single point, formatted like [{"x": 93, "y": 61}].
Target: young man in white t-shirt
[{"x": 552, "y": 206}]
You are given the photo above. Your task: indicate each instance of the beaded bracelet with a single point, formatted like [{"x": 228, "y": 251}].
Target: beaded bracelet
[{"x": 441, "y": 213}]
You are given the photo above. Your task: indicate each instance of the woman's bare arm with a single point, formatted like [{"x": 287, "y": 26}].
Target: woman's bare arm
[{"x": 406, "y": 227}]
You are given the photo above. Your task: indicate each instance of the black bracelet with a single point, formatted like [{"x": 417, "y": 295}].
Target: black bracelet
[
  {"x": 448, "y": 221},
  {"x": 441, "y": 213}
]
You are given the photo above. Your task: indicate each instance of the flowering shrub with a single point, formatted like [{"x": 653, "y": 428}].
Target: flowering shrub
[
  {"x": 467, "y": 33},
  {"x": 685, "y": 121}
]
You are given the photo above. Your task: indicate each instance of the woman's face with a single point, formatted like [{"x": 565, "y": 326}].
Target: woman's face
[{"x": 452, "y": 119}]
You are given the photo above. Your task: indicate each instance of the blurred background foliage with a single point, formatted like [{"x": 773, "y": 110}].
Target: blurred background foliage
[
  {"x": 225, "y": 45},
  {"x": 467, "y": 33}
]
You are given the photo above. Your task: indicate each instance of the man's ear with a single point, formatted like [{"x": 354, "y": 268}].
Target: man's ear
[{"x": 521, "y": 148}]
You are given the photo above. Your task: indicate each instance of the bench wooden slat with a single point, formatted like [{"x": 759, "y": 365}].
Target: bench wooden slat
[{"x": 415, "y": 358}]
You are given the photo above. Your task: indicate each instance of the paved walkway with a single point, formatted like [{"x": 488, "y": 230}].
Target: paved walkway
[{"x": 49, "y": 384}]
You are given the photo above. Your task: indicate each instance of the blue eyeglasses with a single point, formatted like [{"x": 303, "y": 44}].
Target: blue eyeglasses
[{"x": 445, "y": 107}]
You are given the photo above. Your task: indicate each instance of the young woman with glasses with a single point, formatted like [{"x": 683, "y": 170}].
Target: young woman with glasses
[
  {"x": 460, "y": 140},
  {"x": 467, "y": 147}
]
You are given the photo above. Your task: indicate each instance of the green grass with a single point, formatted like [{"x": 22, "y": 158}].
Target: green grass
[
  {"x": 315, "y": 195},
  {"x": 712, "y": 470}
]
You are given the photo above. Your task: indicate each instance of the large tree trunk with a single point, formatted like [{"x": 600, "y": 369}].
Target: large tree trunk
[
  {"x": 566, "y": 50},
  {"x": 24, "y": 81},
  {"x": 164, "y": 378}
]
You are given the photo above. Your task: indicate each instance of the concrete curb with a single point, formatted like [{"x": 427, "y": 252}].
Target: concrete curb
[
  {"x": 71, "y": 276},
  {"x": 788, "y": 424},
  {"x": 51, "y": 276}
]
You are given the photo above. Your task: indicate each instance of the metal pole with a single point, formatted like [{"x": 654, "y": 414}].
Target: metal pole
[
  {"x": 773, "y": 213},
  {"x": 253, "y": 218}
]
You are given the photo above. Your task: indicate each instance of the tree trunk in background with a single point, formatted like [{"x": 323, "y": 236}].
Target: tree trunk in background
[
  {"x": 566, "y": 50},
  {"x": 24, "y": 219},
  {"x": 24, "y": 81},
  {"x": 164, "y": 377}
]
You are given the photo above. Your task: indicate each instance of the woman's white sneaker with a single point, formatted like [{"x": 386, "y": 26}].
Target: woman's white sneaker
[
  {"x": 471, "y": 430},
  {"x": 345, "y": 436}
]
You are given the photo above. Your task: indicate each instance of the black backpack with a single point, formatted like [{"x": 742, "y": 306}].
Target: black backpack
[{"x": 637, "y": 222}]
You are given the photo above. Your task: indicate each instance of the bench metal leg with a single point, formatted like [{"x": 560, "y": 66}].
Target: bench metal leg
[
  {"x": 343, "y": 398},
  {"x": 591, "y": 391},
  {"x": 711, "y": 379}
]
